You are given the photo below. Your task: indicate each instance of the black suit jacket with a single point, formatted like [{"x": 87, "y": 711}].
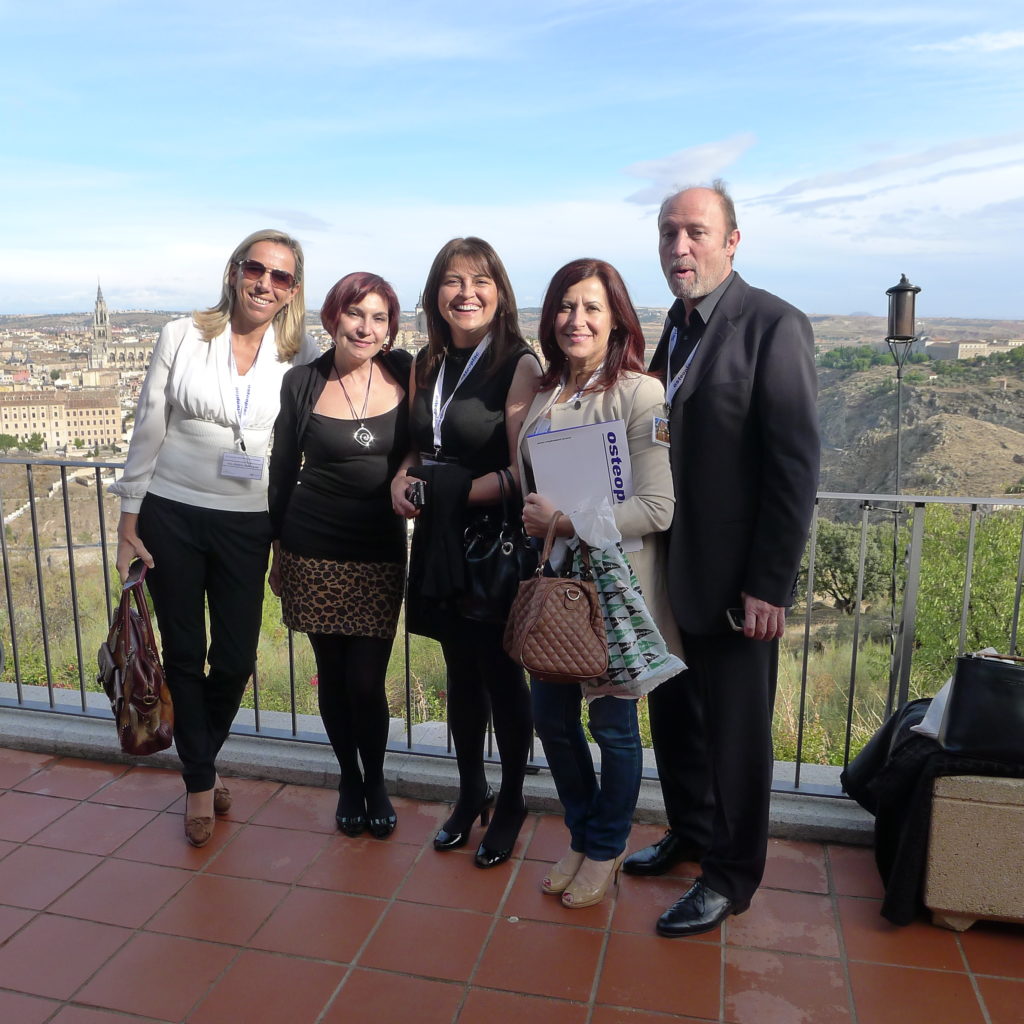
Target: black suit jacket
[{"x": 745, "y": 457}]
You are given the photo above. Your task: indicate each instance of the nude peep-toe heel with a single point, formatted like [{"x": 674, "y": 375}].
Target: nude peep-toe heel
[
  {"x": 561, "y": 874},
  {"x": 591, "y": 883}
]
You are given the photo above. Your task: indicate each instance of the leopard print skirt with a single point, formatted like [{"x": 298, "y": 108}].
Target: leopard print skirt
[{"x": 320, "y": 595}]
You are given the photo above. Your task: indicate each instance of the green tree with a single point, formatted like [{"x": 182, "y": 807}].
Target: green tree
[
  {"x": 837, "y": 559},
  {"x": 852, "y": 357},
  {"x": 7, "y": 442},
  {"x": 79, "y": 443},
  {"x": 35, "y": 443},
  {"x": 943, "y": 569},
  {"x": 55, "y": 375}
]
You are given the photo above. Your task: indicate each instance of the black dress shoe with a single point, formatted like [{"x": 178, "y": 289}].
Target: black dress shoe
[
  {"x": 381, "y": 828},
  {"x": 351, "y": 825},
  {"x": 699, "y": 909},
  {"x": 380, "y": 815},
  {"x": 657, "y": 859},
  {"x": 451, "y": 837}
]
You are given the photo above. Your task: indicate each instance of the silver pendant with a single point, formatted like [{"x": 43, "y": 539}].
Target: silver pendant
[{"x": 363, "y": 437}]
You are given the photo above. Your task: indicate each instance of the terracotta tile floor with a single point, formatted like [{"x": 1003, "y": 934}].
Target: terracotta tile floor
[{"x": 107, "y": 916}]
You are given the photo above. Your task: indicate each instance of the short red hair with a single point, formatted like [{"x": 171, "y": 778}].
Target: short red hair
[{"x": 351, "y": 290}]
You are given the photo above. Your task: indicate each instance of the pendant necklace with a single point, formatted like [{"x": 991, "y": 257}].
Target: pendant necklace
[
  {"x": 362, "y": 435},
  {"x": 576, "y": 400}
]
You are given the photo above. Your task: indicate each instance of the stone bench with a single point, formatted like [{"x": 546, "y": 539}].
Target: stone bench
[{"x": 975, "y": 851}]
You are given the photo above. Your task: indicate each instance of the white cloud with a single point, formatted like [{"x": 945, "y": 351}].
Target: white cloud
[
  {"x": 983, "y": 42},
  {"x": 699, "y": 163}
]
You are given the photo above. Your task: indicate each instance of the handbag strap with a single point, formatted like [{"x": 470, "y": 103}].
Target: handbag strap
[
  {"x": 586, "y": 573},
  {"x": 132, "y": 590},
  {"x": 997, "y": 657}
]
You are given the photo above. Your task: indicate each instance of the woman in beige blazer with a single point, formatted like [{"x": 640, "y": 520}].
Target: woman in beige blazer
[{"x": 594, "y": 348}]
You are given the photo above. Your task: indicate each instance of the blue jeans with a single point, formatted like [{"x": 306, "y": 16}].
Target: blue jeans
[{"x": 597, "y": 814}]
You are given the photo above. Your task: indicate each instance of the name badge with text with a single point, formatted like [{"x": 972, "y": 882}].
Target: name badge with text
[{"x": 241, "y": 466}]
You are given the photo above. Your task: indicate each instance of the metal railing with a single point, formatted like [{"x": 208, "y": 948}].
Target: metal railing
[{"x": 854, "y": 663}]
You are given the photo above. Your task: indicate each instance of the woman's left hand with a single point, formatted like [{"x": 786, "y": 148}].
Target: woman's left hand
[{"x": 537, "y": 513}]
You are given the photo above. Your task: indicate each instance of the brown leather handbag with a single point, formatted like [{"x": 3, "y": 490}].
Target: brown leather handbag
[
  {"x": 131, "y": 674},
  {"x": 555, "y": 629}
]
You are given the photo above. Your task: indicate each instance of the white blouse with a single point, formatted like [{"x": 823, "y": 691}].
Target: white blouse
[{"x": 188, "y": 416}]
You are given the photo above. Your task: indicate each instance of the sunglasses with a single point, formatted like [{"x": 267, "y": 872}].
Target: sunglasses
[{"x": 253, "y": 270}]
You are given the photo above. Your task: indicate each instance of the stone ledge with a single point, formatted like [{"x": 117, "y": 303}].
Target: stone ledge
[{"x": 427, "y": 774}]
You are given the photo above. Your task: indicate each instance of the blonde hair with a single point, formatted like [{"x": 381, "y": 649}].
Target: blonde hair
[{"x": 290, "y": 321}]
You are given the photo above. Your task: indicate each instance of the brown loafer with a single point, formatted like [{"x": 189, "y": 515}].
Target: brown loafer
[
  {"x": 198, "y": 831},
  {"x": 221, "y": 800}
]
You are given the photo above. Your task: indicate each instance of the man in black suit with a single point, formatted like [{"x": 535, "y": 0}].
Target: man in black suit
[{"x": 742, "y": 393}]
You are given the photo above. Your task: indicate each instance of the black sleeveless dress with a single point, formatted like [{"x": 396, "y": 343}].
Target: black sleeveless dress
[{"x": 473, "y": 435}]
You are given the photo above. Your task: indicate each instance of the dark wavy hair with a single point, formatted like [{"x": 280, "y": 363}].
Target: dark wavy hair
[
  {"x": 626, "y": 343},
  {"x": 505, "y": 333},
  {"x": 352, "y": 289}
]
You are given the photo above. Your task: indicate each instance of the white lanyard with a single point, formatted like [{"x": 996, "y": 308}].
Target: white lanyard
[
  {"x": 437, "y": 410},
  {"x": 241, "y": 407},
  {"x": 677, "y": 381}
]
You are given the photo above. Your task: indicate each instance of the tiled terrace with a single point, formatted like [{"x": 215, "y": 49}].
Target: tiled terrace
[{"x": 108, "y": 917}]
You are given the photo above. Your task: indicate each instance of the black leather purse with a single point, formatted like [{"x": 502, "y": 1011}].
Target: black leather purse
[
  {"x": 499, "y": 555},
  {"x": 984, "y": 716}
]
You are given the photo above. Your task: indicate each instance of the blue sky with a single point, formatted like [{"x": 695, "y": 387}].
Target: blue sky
[{"x": 140, "y": 142}]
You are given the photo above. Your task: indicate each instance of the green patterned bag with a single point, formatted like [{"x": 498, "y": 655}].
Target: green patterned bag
[{"x": 638, "y": 658}]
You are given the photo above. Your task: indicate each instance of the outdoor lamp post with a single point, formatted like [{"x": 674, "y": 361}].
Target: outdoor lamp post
[{"x": 900, "y": 339}]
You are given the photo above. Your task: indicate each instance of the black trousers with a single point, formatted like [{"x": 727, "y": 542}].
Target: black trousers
[
  {"x": 202, "y": 556},
  {"x": 711, "y": 726}
]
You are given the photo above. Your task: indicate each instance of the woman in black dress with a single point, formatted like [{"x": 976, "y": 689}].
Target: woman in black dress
[
  {"x": 339, "y": 551},
  {"x": 470, "y": 387}
]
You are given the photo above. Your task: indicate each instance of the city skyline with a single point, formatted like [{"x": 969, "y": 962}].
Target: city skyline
[{"x": 860, "y": 141}]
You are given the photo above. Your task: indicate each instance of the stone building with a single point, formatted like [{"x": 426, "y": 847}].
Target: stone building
[{"x": 62, "y": 417}]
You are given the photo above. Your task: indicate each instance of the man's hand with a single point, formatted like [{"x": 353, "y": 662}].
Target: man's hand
[{"x": 761, "y": 620}]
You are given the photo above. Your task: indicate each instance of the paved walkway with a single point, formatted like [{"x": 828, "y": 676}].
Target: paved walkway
[{"x": 107, "y": 916}]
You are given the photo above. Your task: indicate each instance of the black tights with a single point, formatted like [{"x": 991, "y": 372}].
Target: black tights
[
  {"x": 482, "y": 679},
  {"x": 354, "y": 709}
]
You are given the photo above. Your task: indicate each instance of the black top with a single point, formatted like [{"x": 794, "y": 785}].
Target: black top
[
  {"x": 473, "y": 430},
  {"x": 329, "y": 496},
  {"x": 341, "y": 505}
]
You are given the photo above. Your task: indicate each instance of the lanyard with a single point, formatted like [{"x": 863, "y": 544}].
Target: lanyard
[
  {"x": 677, "y": 381},
  {"x": 437, "y": 410},
  {"x": 241, "y": 407}
]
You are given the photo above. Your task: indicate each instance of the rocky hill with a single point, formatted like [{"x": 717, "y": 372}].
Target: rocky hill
[{"x": 963, "y": 437}]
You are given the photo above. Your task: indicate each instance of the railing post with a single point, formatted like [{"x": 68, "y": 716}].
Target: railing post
[
  {"x": 968, "y": 574},
  {"x": 899, "y": 680}
]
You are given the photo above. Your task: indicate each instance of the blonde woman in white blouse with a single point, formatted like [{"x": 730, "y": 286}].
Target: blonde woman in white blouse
[{"x": 194, "y": 496}]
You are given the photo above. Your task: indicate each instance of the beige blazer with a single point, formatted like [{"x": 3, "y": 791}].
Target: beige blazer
[{"x": 635, "y": 399}]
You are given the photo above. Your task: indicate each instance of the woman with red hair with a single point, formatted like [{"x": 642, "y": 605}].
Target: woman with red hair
[
  {"x": 594, "y": 346},
  {"x": 339, "y": 550}
]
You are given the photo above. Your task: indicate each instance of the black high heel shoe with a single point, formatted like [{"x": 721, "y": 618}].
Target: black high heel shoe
[
  {"x": 492, "y": 856},
  {"x": 351, "y": 824},
  {"x": 450, "y": 839}
]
